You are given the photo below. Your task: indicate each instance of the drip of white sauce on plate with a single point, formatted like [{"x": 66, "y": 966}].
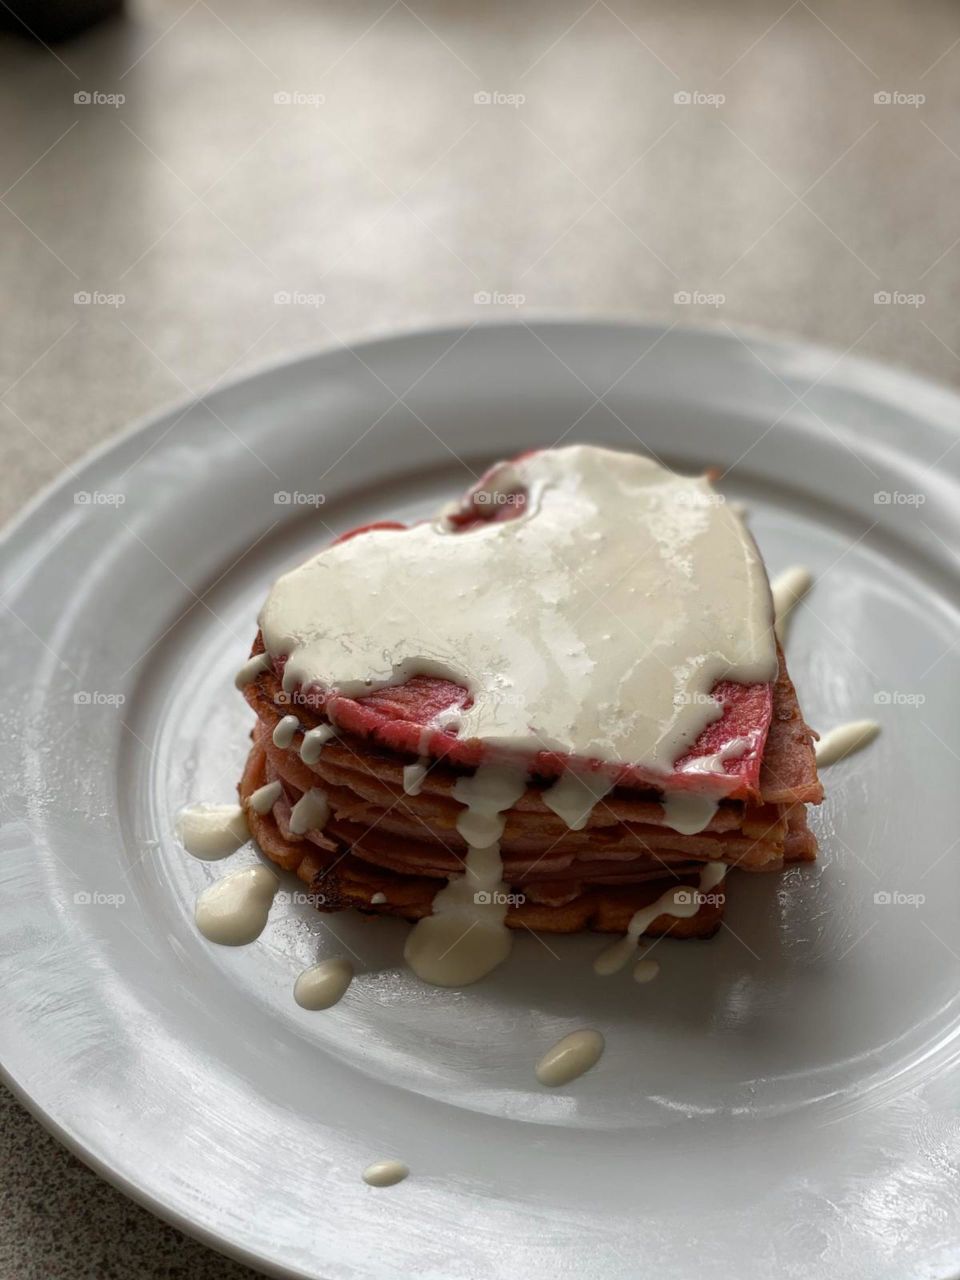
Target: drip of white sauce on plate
[
  {"x": 466, "y": 936},
  {"x": 285, "y": 731},
  {"x": 681, "y": 902},
  {"x": 310, "y": 813},
  {"x": 570, "y": 1058},
  {"x": 645, "y": 970},
  {"x": 413, "y": 776},
  {"x": 314, "y": 740},
  {"x": 845, "y": 740},
  {"x": 385, "y": 1173},
  {"x": 323, "y": 985},
  {"x": 233, "y": 911},
  {"x": 680, "y": 565},
  {"x": 252, "y": 668},
  {"x": 211, "y": 831},
  {"x": 788, "y": 590},
  {"x": 264, "y": 798},
  {"x": 574, "y": 795}
]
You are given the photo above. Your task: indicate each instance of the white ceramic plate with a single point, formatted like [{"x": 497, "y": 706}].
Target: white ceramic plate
[{"x": 782, "y": 1101}]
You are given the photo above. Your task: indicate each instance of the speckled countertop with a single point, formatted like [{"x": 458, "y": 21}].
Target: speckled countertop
[{"x": 284, "y": 177}]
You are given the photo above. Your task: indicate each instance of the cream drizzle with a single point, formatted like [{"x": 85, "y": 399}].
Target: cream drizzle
[
  {"x": 570, "y": 1058},
  {"x": 413, "y": 776},
  {"x": 212, "y": 831},
  {"x": 845, "y": 740},
  {"x": 681, "y": 902},
  {"x": 252, "y": 668},
  {"x": 378, "y": 899},
  {"x": 543, "y": 664},
  {"x": 314, "y": 740},
  {"x": 645, "y": 970},
  {"x": 788, "y": 590},
  {"x": 689, "y": 812},
  {"x": 323, "y": 985},
  {"x": 233, "y": 911},
  {"x": 264, "y": 798},
  {"x": 385, "y": 1173},
  {"x": 574, "y": 795},
  {"x": 285, "y": 731},
  {"x": 310, "y": 813},
  {"x": 466, "y": 936}
]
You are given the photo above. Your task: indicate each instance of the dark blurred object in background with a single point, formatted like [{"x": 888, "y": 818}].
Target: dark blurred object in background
[{"x": 50, "y": 20}]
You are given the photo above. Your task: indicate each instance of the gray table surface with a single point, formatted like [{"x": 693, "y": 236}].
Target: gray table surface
[{"x": 380, "y": 164}]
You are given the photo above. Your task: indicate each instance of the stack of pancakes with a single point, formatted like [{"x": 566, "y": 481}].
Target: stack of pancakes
[{"x": 387, "y": 849}]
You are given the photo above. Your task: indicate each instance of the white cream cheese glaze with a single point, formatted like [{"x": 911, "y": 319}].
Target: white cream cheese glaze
[
  {"x": 264, "y": 798},
  {"x": 314, "y": 740},
  {"x": 385, "y": 1173},
  {"x": 310, "y": 813},
  {"x": 574, "y": 795},
  {"x": 570, "y": 1058},
  {"x": 212, "y": 831},
  {"x": 596, "y": 623},
  {"x": 466, "y": 936},
  {"x": 285, "y": 731},
  {"x": 682, "y": 903},
  {"x": 323, "y": 985},
  {"x": 788, "y": 590},
  {"x": 845, "y": 740},
  {"x": 233, "y": 911},
  {"x": 252, "y": 668}
]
